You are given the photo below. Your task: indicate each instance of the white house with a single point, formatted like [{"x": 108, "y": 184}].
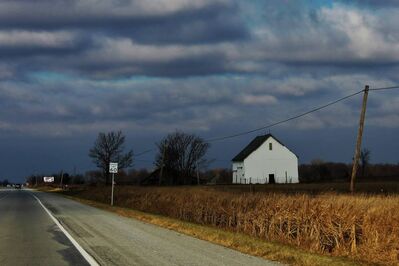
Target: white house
[{"x": 265, "y": 160}]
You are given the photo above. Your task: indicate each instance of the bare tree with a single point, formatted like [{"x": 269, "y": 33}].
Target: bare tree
[
  {"x": 364, "y": 160},
  {"x": 109, "y": 148},
  {"x": 4, "y": 182},
  {"x": 182, "y": 153}
]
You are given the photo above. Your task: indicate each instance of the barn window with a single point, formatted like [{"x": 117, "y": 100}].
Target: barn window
[{"x": 270, "y": 146}]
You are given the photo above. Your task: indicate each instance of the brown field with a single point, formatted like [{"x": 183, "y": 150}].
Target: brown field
[
  {"x": 364, "y": 187},
  {"x": 364, "y": 227}
]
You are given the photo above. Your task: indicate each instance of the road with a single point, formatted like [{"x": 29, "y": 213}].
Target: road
[{"x": 29, "y": 236}]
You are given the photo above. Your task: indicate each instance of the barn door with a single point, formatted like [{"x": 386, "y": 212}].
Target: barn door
[
  {"x": 240, "y": 175},
  {"x": 271, "y": 179}
]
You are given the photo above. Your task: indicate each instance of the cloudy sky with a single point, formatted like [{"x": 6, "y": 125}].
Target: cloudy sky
[{"x": 72, "y": 68}]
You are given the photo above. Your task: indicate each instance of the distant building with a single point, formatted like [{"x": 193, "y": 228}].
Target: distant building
[{"x": 265, "y": 160}]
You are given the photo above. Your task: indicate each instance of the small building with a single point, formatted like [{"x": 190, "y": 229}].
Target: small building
[{"x": 265, "y": 160}]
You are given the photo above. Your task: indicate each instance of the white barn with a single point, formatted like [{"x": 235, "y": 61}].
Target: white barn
[{"x": 265, "y": 160}]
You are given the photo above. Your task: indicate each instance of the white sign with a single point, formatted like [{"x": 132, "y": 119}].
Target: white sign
[
  {"x": 48, "y": 179},
  {"x": 113, "y": 168}
]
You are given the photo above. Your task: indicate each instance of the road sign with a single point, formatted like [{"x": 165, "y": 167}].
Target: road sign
[
  {"x": 48, "y": 179},
  {"x": 113, "y": 168}
]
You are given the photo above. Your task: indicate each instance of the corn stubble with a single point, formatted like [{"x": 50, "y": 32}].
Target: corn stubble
[{"x": 363, "y": 227}]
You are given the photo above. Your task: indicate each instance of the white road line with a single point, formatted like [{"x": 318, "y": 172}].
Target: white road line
[
  {"x": 84, "y": 253},
  {"x": 6, "y": 194}
]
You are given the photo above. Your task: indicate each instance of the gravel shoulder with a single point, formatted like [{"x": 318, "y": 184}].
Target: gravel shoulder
[{"x": 115, "y": 240}]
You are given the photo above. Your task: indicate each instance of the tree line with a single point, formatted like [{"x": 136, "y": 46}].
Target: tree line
[
  {"x": 181, "y": 159},
  {"x": 178, "y": 159},
  {"x": 319, "y": 171}
]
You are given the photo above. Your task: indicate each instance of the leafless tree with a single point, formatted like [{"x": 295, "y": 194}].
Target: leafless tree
[
  {"x": 182, "y": 153},
  {"x": 107, "y": 148},
  {"x": 364, "y": 160}
]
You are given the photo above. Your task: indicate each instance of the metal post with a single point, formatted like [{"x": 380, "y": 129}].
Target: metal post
[
  {"x": 198, "y": 177},
  {"x": 359, "y": 139},
  {"x": 112, "y": 191}
]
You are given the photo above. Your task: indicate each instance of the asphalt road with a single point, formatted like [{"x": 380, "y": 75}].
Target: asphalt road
[{"x": 29, "y": 236}]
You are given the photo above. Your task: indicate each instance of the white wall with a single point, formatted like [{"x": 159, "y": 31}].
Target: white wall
[
  {"x": 279, "y": 161},
  {"x": 238, "y": 173}
]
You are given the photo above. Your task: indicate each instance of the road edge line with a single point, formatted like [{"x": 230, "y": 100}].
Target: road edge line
[
  {"x": 83, "y": 252},
  {"x": 5, "y": 196}
]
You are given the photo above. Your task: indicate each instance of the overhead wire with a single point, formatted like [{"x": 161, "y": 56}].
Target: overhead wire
[
  {"x": 143, "y": 152},
  {"x": 384, "y": 88},
  {"x": 284, "y": 120}
]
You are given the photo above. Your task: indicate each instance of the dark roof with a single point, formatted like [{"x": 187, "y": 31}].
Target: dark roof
[{"x": 251, "y": 147}]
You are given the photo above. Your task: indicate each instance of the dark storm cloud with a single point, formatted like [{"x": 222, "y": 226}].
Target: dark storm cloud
[
  {"x": 188, "y": 23},
  {"x": 72, "y": 36},
  {"x": 125, "y": 38},
  {"x": 28, "y": 51},
  {"x": 203, "y": 65},
  {"x": 71, "y": 106},
  {"x": 189, "y": 29}
]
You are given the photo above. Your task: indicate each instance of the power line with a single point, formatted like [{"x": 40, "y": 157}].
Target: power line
[
  {"x": 285, "y": 120},
  {"x": 386, "y": 88},
  {"x": 143, "y": 152},
  {"x": 144, "y": 161}
]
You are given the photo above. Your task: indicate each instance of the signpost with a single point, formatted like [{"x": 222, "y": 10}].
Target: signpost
[{"x": 113, "y": 168}]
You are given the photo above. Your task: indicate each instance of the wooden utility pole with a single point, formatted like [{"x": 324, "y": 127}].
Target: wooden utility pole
[
  {"x": 359, "y": 139},
  {"x": 162, "y": 164},
  {"x": 61, "y": 177}
]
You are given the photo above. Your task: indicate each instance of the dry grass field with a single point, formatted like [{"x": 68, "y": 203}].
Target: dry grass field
[{"x": 364, "y": 227}]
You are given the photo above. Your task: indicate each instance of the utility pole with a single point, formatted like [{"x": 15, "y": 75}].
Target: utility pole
[
  {"x": 62, "y": 176},
  {"x": 359, "y": 139},
  {"x": 162, "y": 163}
]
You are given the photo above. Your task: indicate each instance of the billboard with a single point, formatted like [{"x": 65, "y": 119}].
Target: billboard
[{"x": 48, "y": 179}]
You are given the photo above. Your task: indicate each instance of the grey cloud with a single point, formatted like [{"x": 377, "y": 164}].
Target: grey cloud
[
  {"x": 211, "y": 39},
  {"x": 68, "y": 36},
  {"x": 209, "y": 21},
  {"x": 373, "y": 3},
  {"x": 29, "y": 44},
  {"x": 197, "y": 104},
  {"x": 297, "y": 66},
  {"x": 343, "y": 36}
]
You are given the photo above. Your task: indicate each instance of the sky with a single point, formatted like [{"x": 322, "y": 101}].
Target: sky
[{"x": 71, "y": 69}]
